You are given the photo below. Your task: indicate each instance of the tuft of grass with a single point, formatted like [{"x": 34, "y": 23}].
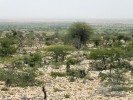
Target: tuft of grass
[
  {"x": 71, "y": 79},
  {"x": 4, "y": 89},
  {"x": 67, "y": 95},
  {"x": 57, "y": 90},
  {"x": 126, "y": 89}
]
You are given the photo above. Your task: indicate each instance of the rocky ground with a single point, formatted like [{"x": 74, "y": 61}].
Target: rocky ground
[{"x": 60, "y": 88}]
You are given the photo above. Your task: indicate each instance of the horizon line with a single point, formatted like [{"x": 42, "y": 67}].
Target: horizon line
[{"x": 93, "y": 20}]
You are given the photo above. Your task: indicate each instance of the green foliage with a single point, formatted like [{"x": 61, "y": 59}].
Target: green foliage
[
  {"x": 118, "y": 44},
  {"x": 98, "y": 54},
  {"x": 28, "y": 77},
  {"x": 79, "y": 34},
  {"x": 73, "y": 61},
  {"x": 59, "y": 51},
  {"x": 129, "y": 49},
  {"x": 7, "y": 46},
  {"x": 120, "y": 37},
  {"x": 57, "y": 63},
  {"x": 71, "y": 79},
  {"x": 76, "y": 73},
  {"x": 33, "y": 60},
  {"x": 59, "y": 74},
  {"x": 72, "y": 73},
  {"x": 103, "y": 57},
  {"x": 97, "y": 66},
  {"x": 17, "y": 63},
  {"x": 96, "y": 42},
  {"x": 67, "y": 95},
  {"x": 22, "y": 79},
  {"x": 126, "y": 89},
  {"x": 4, "y": 74},
  {"x": 113, "y": 60},
  {"x": 57, "y": 90},
  {"x": 101, "y": 54},
  {"x": 115, "y": 78}
]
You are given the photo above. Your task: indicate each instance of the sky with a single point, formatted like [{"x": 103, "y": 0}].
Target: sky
[{"x": 66, "y": 9}]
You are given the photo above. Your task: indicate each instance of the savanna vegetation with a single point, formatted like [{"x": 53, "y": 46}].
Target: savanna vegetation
[{"x": 26, "y": 48}]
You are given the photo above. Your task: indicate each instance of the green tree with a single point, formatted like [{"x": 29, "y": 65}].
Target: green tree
[
  {"x": 33, "y": 60},
  {"x": 79, "y": 34},
  {"x": 7, "y": 46},
  {"x": 114, "y": 61},
  {"x": 59, "y": 51},
  {"x": 100, "y": 56}
]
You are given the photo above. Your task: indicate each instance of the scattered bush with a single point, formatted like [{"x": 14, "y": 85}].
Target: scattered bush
[
  {"x": 77, "y": 73},
  {"x": 56, "y": 65},
  {"x": 33, "y": 60},
  {"x": 59, "y": 74},
  {"x": 58, "y": 52},
  {"x": 22, "y": 79},
  {"x": 7, "y": 46},
  {"x": 67, "y": 95},
  {"x": 73, "y": 61},
  {"x": 126, "y": 89},
  {"x": 71, "y": 79},
  {"x": 4, "y": 89},
  {"x": 98, "y": 66},
  {"x": 57, "y": 90}
]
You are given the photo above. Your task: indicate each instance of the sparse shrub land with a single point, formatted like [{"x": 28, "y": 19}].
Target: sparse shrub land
[{"x": 69, "y": 59}]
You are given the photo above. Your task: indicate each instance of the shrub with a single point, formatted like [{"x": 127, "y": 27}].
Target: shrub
[
  {"x": 59, "y": 74},
  {"x": 99, "y": 54},
  {"x": 98, "y": 66},
  {"x": 59, "y": 51},
  {"x": 22, "y": 79},
  {"x": 73, "y": 73},
  {"x": 73, "y": 61},
  {"x": 7, "y": 47},
  {"x": 57, "y": 90},
  {"x": 71, "y": 79},
  {"x": 67, "y": 95},
  {"x": 114, "y": 61},
  {"x": 122, "y": 89},
  {"x": 33, "y": 60},
  {"x": 4, "y": 89},
  {"x": 76, "y": 73},
  {"x": 57, "y": 63}
]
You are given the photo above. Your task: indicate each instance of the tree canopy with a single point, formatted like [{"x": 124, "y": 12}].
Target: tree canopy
[
  {"x": 79, "y": 34},
  {"x": 59, "y": 51}
]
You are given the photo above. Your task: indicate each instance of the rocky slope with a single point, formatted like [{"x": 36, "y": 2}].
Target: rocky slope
[{"x": 60, "y": 88}]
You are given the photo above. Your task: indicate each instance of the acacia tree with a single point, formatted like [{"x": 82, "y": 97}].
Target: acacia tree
[
  {"x": 20, "y": 40},
  {"x": 59, "y": 51},
  {"x": 114, "y": 61},
  {"x": 79, "y": 34}
]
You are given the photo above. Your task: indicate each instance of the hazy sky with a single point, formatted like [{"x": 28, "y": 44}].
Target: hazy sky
[{"x": 66, "y": 9}]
